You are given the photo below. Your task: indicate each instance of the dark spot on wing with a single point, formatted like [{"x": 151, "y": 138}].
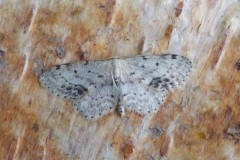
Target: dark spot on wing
[
  {"x": 161, "y": 83},
  {"x": 155, "y": 82},
  {"x": 165, "y": 86},
  {"x": 142, "y": 66},
  {"x": 166, "y": 80},
  {"x": 80, "y": 89},
  {"x": 157, "y": 64},
  {"x": 144, "y": 57},
  {"x": 132, "y": 73},
  {"x": 174, "y": 56},
  {"x": 86, "y": 62},
  {"x": 100, "y": 76},
  {"x": 73, "y": 91},
  {"x": 69, "y": 88},
  {"x": 58, "y": 66},
  {"x": 75, "y": 71}
]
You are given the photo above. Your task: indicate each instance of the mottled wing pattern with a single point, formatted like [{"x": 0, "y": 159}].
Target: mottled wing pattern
[
  {"x": 89, "y": 84},
  {"x": 146, "y": 80},
  {"x": 97, "y": 104}
]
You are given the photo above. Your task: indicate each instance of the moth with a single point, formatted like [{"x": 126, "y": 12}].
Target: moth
[{"x": 139, "y": 84}]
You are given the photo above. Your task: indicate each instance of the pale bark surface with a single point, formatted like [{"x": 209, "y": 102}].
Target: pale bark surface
[{"x": 201, "y": 122}]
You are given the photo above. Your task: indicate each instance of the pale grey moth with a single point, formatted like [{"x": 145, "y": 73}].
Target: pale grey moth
[{"x": 138, "y": 84}]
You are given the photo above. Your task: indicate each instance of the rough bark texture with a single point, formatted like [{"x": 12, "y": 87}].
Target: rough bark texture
[{"x": 201, "y": 122}]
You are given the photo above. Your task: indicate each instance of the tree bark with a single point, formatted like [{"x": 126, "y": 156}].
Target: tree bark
[{"x": 199, "y": 122}]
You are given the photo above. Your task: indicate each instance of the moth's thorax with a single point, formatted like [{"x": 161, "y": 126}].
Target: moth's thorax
[
  {"x": 120, "y": 70},
  {"x": 118, "y": 66}
]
